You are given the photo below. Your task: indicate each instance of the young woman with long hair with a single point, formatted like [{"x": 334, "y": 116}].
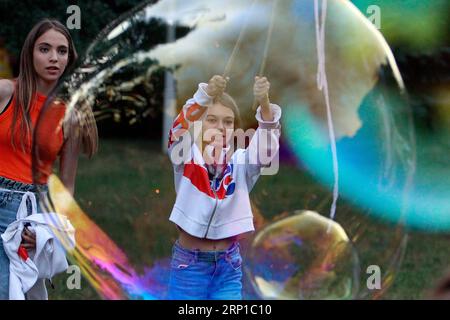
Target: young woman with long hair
[{"x": 47, "y": 54}]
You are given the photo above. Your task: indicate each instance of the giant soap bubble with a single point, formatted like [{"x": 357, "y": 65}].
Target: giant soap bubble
[
  {"x": 143, "y": 67},
  {"x": 305, "y": 256}
]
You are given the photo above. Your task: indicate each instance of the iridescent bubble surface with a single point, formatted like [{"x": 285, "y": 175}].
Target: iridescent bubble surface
[
  {"x": 304, "y": 256},
  {"x": 142, "y": 68}
]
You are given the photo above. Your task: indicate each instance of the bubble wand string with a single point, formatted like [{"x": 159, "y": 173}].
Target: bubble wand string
[
  {"x": 322, "y": 85},
  {"x": 237, "y": 45},
  {"x": 267, "y": 46},
  {"x": 269, "y": 37},
  {"x": 230, "y": 61}
]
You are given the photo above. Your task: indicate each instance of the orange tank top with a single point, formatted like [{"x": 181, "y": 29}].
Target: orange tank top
[{"x": 16, "y": 164}]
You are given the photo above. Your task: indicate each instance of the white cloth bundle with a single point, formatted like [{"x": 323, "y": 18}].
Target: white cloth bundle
[{"x": 49, "y": 258}]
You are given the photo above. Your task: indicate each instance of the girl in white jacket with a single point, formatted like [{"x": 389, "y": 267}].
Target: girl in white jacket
[{"x": 213, "y": 180}]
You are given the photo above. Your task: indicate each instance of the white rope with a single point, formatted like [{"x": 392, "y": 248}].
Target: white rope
[{"x": 322, "y": 85}]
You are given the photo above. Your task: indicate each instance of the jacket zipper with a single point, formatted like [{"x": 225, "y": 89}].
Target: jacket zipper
[{"x": 215, "y": 207}]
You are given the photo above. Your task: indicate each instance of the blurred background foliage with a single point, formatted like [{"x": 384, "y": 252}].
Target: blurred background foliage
[{"x": 417, "y": 31}]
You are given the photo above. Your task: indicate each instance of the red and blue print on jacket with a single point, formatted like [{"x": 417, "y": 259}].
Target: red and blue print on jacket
[{"x": 198, "y": 175}]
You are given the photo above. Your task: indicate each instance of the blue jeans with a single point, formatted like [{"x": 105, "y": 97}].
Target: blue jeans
[
  {"x": 205, "y": 275},
  {"x": 9, "y": 205}
]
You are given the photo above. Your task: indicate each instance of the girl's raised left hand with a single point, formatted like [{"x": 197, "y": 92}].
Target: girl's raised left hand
[{"x": 261, "y": 90}]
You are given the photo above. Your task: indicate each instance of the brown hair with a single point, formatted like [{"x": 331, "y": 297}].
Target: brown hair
[
  {"x": 26, "y": 82},
  {"x": 80, "y": 124}
]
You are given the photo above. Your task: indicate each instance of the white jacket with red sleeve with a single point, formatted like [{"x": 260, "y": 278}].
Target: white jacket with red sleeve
[{"x": 218, "y": 208}]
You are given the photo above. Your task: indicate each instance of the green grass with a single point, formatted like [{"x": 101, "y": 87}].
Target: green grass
[{"x": 127, "y": 189}]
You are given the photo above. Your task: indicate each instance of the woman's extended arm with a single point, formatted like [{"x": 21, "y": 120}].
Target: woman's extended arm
[{"x": 68, "y": 163}]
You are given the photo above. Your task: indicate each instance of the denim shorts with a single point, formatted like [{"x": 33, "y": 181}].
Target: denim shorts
[
  {"x": 205, "y": 275},
  {"x": 9, "y": 205}
]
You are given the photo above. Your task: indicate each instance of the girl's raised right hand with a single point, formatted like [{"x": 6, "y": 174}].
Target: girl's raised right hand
[{"x": 216, "y": 86}]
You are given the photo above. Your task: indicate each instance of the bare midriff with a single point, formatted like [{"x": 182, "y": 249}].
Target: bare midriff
[{"x": 190, "y": 242}]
